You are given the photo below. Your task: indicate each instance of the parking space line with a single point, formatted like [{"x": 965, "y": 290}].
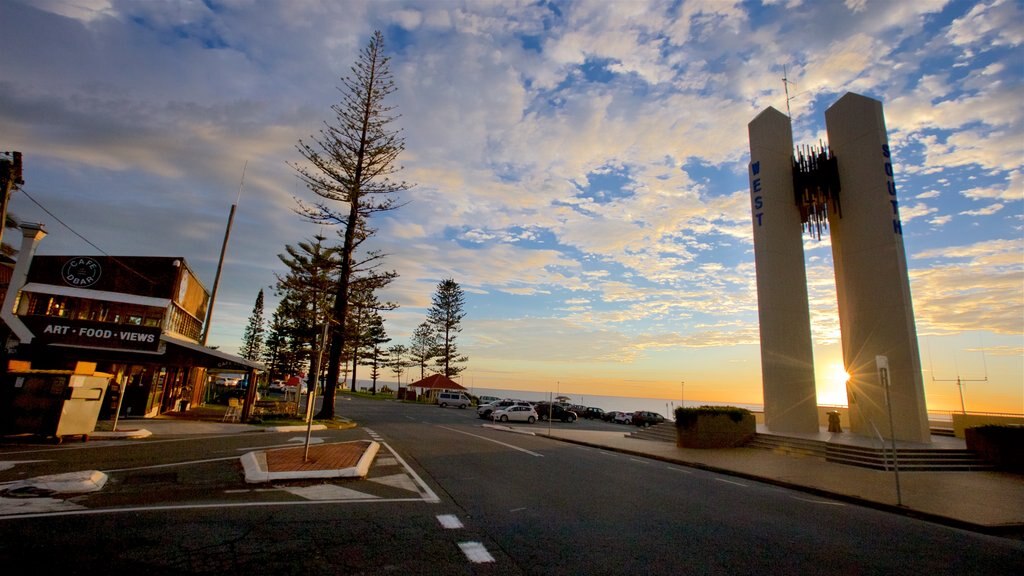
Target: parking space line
[{"x": 730, "y": 482}]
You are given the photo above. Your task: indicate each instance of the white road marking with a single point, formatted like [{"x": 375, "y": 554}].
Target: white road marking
[
  {"x": 476, "y": 552},
  {"x": 425, "y": 491},
  {"x": 730, "y": 482},
  {"x": 678, "y": 469},
  {"x": 531, "y": 453},
  {"x": 302, "y": 440},
  {"x": 825, "y": 502},
  {"x": 449, "y": 521}
]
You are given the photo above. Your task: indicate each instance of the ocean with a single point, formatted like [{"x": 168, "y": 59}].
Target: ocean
[{"x": 664, "y": 406}]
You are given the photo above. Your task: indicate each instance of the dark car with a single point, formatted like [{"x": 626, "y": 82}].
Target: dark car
[
  {"x": 592, "y": 413},
  {"x": 484, "y": 410},
  {"x": 556, "y": 412},
  {"x": 225, "y": 397},
  {"x": 645, "y": 419}
]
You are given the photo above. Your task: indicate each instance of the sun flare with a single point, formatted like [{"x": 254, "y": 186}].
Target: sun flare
[{"x": 834, "y": 389}]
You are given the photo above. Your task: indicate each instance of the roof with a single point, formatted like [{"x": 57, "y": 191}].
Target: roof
[{"x": 437, "y": 381}]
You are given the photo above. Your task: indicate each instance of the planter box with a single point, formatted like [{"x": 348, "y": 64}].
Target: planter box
[
  {"x": 715, "y": 430},
  {"x": 1003, "y": 446}
]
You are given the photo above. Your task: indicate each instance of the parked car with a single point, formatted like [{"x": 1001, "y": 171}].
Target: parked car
[
  {"x": 645, "y": 419},
  {"x": 515, "y": 413},
  {"x": 446, "y": 398},
  {"x": 592, "y": 413},
  {"x": 486, "y": 410},
  {"x": 623, "y": 418},
  {"x": 276, "y": 386},
  {"x": 609, "y": 416},
  {"x": 236, "y": 393},
  {"x": 556, "y": 411},
  {"x": 481, "y": 400}
]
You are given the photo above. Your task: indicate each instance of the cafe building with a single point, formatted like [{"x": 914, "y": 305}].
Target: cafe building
[{"x": 138, "y": 318}]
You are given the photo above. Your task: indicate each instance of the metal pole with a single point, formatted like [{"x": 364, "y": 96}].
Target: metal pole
[
  {"x": 312, "y": 392},
  {"x": 883, "y": 374}
]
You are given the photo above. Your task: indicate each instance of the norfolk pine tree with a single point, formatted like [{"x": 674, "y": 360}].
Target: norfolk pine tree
[
  {"x": 350, "y": 164},
  {"x": 445, "y": 317},
  {"x": 422, "y": 347},
  {"x": 252, "y": 338}
]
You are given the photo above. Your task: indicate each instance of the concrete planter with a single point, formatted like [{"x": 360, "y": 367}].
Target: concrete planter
[
  {"x": 715, "y": 430},
  {"x": 1003, "y": 446}
]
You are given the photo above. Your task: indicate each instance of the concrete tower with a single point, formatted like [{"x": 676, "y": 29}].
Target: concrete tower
[
  {"x": 787, "y": 357},
  {"x": 876, "y": 315},
  {"x": 848, "y": 184}
]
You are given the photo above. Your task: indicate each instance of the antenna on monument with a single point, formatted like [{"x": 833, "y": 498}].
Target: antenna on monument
[{"x": 785, "y": 85}]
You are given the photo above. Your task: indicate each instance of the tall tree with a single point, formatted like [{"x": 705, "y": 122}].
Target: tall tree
[
  {"x": 373, "y": 353},
  {"x": 364, "y": 306},
  {"x": 307, "y": 289},
  {"x": 422, "y": 347},
  {"x": 398, "y": 363},
  {"x": 445, "y": 317},
  {"x": 252, "y": 338},
  {"x": 350, "y": 165}
]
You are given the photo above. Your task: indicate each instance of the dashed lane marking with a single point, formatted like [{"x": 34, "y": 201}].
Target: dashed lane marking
[
  {"x": 476, "y": 552},
  {"x": 730, "y": 482},
  {"x": 825, "y": 502},
  {"x": 449, "y": 521}
]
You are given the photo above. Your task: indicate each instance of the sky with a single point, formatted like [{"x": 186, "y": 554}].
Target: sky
[{"x": 580, "y": 168}]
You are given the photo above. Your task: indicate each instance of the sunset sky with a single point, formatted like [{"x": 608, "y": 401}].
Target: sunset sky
[{"x": 580, "y": 168}]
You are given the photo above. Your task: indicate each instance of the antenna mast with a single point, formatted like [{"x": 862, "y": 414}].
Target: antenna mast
[
  {"x": 785, "y": 85},
  {"x": 960, "y": 382}
]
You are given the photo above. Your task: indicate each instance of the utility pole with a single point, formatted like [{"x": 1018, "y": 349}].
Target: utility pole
[
  {"x": 10, "y": 179},
  {"x": 220, "y": 262}
]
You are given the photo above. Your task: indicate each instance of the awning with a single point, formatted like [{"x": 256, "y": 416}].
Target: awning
[{"x": 220, "y": 360}]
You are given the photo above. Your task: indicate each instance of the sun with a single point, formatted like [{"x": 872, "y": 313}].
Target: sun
[{"x": 832, "y": 390}]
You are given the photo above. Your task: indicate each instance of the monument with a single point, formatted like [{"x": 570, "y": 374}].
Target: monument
[{"x": 848, "y": 188}]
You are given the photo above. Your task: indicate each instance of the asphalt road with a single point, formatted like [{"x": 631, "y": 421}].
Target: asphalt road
[{"x": 447, "y": 495}]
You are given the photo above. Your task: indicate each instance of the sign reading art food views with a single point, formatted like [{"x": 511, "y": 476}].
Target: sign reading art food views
[{"x": 49, "y": 330}]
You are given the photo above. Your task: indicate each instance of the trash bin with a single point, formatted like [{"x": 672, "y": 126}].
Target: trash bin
[
  {"x": 182, "y": 405},
  {"x": 52, "y": 403},
  {"x": 833, "y": 422}
]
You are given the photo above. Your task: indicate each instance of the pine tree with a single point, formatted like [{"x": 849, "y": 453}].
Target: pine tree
[
  {"x": 252, "y": 338},
  {"x": 398, "y": 364},
  {"x": 350, "y": 167},
  {"x": 373, "y": 353},
  {"x": 445, "y": 317},
  {"x": 422, "y": 347}
]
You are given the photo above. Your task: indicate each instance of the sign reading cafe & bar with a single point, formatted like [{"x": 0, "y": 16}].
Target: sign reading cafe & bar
[{"x": 48, "y": 330}]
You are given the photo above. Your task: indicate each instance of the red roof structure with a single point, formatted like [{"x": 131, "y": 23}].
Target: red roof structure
[{"x": 438, "y": 382}]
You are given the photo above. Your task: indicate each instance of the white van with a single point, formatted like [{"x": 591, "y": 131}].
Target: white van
[{"x": 446, "y": 398}]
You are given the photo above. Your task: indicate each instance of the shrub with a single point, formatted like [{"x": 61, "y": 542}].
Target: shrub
[{"x": 686, "y": 417}]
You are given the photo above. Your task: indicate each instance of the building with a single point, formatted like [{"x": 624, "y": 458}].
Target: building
[{"x": 137, "y": 318}]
